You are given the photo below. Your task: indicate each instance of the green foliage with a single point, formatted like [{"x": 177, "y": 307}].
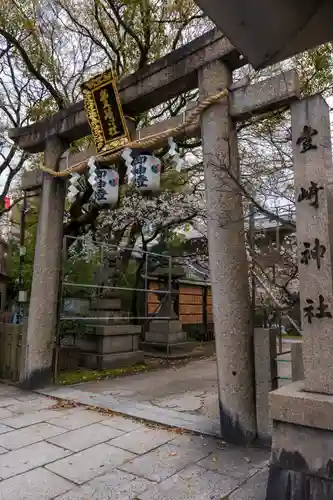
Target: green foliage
[
  {"x": 14, "y": 258},
  {"x": 314, "y": 68},
  {"x": 68, "y": 378},
  {"x": 80, "y": 270}
]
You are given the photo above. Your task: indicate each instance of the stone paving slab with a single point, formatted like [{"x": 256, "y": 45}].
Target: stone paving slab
[
  {"x": 4, "y": 413},
  {"x": 132, "y": 462},
  {"x": 38, "y": 484},
  {"x": 75, "y": 418},
  {"x": 90, "y": 463},
  {"x": 144, "y": 411},
  {"x": 5, "y": 428},
  {"x": 85, "y": 437},
  {"x": 28, "y": 406},
  {"x": 117, "y": 485},
  {"x": 29, "y": 435},
  {"x": 123, "y": 424},
  {"x": 27, "y": 419},
  {"x": 236, "y": 462},
  {"x": 207, "y": 443},
  {"x": 192, "y": 483},
  {"x": 142, "y": 440},
  {"x": 253, "y": 489},
  {"x": 7, "y": 401},
  {"x": 163, "y": 462},
  {"x": 27, "y": 458}
]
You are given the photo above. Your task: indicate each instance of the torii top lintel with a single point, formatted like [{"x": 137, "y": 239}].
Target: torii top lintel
[
  {"x": 152, "y": 85},
  {"x": 269, "y": 31}
]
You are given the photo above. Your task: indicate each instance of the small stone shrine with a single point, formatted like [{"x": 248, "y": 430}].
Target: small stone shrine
[
  {"x": 165, "y": 331},
  {"x": 302, "y": 446},
  {"x": 114, "y": 342}
]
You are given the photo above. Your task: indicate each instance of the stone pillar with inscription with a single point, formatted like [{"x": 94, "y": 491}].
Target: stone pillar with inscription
[{"x": 302, "y": 445}]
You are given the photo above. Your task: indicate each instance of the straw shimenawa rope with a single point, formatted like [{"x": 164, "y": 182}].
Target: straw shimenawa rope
[{"x": 147, "y": 142}]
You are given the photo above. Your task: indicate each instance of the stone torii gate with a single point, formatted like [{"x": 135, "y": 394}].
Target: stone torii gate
[{"x": 207, "y": 63}]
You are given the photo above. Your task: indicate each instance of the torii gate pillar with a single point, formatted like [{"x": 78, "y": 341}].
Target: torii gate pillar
[
  {"x": 228, "y": 262},
  {"x": 37, "y": 358}
]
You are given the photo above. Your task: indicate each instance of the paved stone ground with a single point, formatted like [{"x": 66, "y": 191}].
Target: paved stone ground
[
  {"x": 56, "y": 451},
  {"x": 185, "y": 396}
]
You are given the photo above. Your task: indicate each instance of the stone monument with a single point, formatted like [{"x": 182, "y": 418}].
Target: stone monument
[
  {"x": 302, "y": 444},
  {"x": 165, "y": 332}
]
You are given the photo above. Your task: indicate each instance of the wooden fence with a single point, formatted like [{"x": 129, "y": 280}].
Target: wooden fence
[
  {"x": 11, "y": 339},
  {"x": 195, "y": 305}
]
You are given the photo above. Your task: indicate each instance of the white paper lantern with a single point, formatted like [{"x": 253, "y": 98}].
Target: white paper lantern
[
  {"x": 107, "y": 187},
  {"x": 145, "y": 172}
]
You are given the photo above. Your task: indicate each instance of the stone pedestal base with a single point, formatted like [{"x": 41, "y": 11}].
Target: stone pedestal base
[
  {"x": 302, "y": 445},
  {"x": 165, "y": 332},
  {"x": 166, "y": 339}
]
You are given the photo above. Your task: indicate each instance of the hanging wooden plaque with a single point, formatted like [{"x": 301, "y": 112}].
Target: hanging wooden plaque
[{"x": 104, "y": 112}]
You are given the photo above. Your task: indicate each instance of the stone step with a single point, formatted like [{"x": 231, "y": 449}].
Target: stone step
[
  {"x": 117, "y": 330},
  {"x": 105, "y": 304}
]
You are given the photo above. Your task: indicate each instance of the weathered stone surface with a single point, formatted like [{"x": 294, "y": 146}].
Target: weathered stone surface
[
  {"x": 205, "y": 443},
  {"x": 192, "y": 483},
  {"x": 4, "y": 413},
  {"x": 228, "y": 262},
  {"x": 142, "y": 440},
  {"x": 27, "y": 458},
  {"x": 165, "y": 337},
  {"x": 85, "y": 437},
  {"x": 36, "y": 404},
  {"x": 7, "y": 401},
  {"x": 29, "y": 435},
  {"x": 315, "y": 275},
  {"x": 253, "y": 489},
  {"x": 292, "y": 404},
  {"x": 117, "y": 485},
  {"x": 37, "y": 351},
  {"x": 265, "y": 95},
  {"x": 90, "y": 463},
  {"x": 303, "y": 449},
  {"x": 297, "y": 366},
  {"x": 123, "y": 424},
  {"x": 265, "y": 376},
  {"x": 236, "y": 462},
  {"x": 103, "y": 304},
  {"x": 76, "y": 418},
  {"x": 294, "y": 485},
  {"x": 38, "y": 484},
  {"x": 30, "y": 418},
  {"x": 5, "y": 428},
  {"x": 165, "y": 461},
  {"x": 118, "y": 330}
]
